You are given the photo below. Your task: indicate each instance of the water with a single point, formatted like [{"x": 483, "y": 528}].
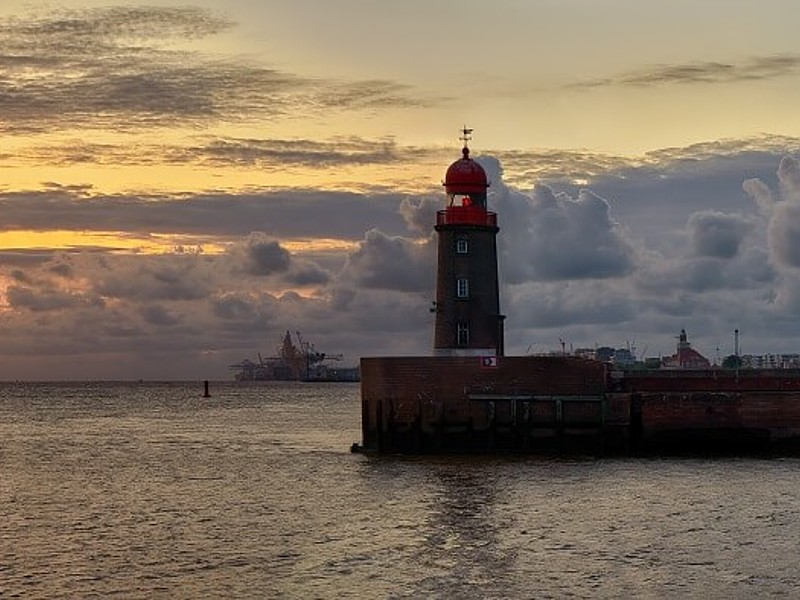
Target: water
[{"x": 151, "y": 491}]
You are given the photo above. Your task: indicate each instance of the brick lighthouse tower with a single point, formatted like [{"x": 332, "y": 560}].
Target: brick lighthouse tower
[{"x": 467, "y": 307}]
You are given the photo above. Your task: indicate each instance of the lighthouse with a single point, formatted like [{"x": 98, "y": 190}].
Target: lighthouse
[
  {"x": 467, "y": 307},
  {"x": 469, "y": 396}
]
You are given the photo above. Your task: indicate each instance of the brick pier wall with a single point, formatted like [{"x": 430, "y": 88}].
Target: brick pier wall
[
  {"x": 568, "y": 404},
  {"x": 436, "y": 404},
  {"x": 746, "y": 406}
]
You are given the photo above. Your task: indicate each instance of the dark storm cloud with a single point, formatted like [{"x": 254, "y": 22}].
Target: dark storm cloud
[
  {"x": 695, "y": 73},
  {"x": 717, "y": 235},
  {"x": 110, "y": 68}
]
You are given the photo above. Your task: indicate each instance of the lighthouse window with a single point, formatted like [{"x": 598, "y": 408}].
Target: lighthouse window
[
  {"x": 461, "y": 246},
  {"x": 462, "y": 288},
  {"x": 463, "y": 334}
]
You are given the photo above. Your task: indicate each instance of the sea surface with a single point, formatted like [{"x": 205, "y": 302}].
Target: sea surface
[{"x": 149, "y": 490}]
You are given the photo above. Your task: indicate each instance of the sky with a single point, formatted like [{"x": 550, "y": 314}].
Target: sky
[{"x": 181, "y": 184}]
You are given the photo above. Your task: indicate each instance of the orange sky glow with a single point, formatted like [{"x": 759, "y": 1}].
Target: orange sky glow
[{"x": 180, "y": 182}]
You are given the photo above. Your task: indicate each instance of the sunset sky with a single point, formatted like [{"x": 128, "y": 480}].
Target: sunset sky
[{"x": 180, "y": 184}]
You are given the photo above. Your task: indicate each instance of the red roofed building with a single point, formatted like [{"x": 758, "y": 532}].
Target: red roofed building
[{"x": 685, "y": 357}]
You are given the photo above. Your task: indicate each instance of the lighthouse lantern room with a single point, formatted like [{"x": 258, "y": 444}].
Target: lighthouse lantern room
[{"x": 467, "y": 307}]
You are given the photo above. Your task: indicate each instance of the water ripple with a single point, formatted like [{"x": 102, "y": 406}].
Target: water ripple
[{"x": 148, "y": 490}]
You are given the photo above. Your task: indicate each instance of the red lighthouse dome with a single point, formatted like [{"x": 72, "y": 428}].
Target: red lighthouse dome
[{"x": 465, "y": 176}]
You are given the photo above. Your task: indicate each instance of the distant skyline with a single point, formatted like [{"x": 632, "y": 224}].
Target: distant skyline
[{"x": 180, "y": 184}]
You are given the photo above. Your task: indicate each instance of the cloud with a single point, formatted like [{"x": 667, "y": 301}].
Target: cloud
[
  {"x": 659, "y": 276},
  {"x": 420, "y": 213},
  {"x": 385, "y": 262},
  {"x": 637, "y": 252},
  {"x": 782, "y": 210},
  {"x": 43, "y": 299},
  {"x": 703, "y": 256},
  {"x": 664, "y": 166},
  {"x": 154, "y": 278},
  {"x": 262, "y": 256},
  {"x": 717, "y": 235},
  {"x": 784, "y": 235},
  {"x": 789, "y": 178},
  {"x": 385, "y": 163},
  {"x": 308, "y": 273},
  {"x": 761, "y": 193},
  {"x": 702, "y": 73},
  {"x": 301, "y": 152},
  {"x": 553, "y": 236},
  {"x": 282, "y": 213},
  {"x": 156, "y": 314},
  {"x": 233, "y": 307},
  {"x": 63, "y": 269},
  {"x": 20, "y": 276},
  {"x": 112, "y": 69},
  {"x": 103, "y": 28},
  {"x": 559, "y": 304}
]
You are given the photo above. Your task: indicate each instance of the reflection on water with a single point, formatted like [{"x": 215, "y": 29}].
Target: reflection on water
[
  {"x": 149, "y": 490},
  {"x": 462, "y": 550}
]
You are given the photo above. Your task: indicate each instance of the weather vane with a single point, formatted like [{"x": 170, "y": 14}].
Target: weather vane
[{"x": 466, "y": 134}]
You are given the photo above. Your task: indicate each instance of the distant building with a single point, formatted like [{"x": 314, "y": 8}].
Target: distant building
[
  {"x": 605, "y": 353},
  {"x": 771, "y": 361},
  {"x": 587, "y": 353},
  {"x": 623, "y": 357},
  {"x": 685, "y": 356},
  {"x": 619, "y": 357},
  {"x": 652, "y": 362}
]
